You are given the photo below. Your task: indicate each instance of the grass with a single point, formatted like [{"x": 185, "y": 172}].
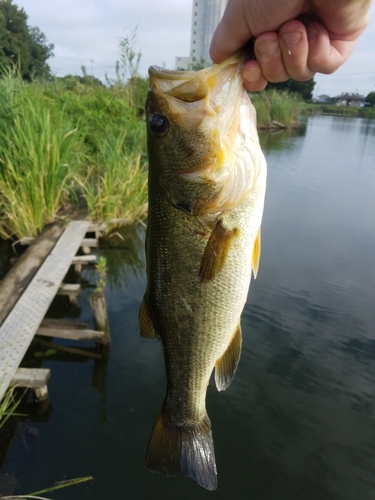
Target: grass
[
  {"x": 8, "y": 406},
  {"x": 281, "y": 107},
  {"x": 38, "y": 154},
  {"x": 116, "y": 183},
  {"x": 66, "y": 143},
  {"x": 332, "y": 109},
  {"x": 63, "y": 143}
]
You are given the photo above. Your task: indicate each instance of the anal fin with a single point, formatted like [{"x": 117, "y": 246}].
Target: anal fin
[
  {"x": 216, "y": 251},
  {"x": 226, "y": 366},
  {"x": 145, "y": 324}
]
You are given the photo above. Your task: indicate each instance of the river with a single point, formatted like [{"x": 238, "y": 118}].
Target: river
[{"x": 298, "y": 421}]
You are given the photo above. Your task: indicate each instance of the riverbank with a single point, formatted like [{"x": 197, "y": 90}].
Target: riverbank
[
  {"x": 68, "y": 147},
  {"x": 65, "y": 146},
  {"x": 333, "y": 110}
]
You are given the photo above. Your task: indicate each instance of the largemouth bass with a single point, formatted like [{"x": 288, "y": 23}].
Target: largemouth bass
[{"x": 207, "y": 179}]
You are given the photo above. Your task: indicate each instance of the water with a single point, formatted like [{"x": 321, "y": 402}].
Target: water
[{"x": 298, "y": 422}]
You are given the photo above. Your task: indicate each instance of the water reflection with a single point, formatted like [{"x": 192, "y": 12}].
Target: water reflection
[{"x": 277, "y": 140}]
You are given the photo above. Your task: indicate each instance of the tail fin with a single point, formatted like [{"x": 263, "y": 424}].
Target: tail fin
[{"x": 189, "y": 450}]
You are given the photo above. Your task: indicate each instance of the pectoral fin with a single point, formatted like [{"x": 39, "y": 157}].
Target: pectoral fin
[
  {"x": 145, "y": 324},
  {"x": 226, "y": 366},
  {"x": 256, "y": 255},
  {"x": 216, "y": 252}
]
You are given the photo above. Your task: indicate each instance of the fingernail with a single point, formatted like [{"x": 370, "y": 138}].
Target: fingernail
[
  {"x": 268, "y": 48},
  {"x": 291, "y": 39},
  {"x": 251, "y": 75}
]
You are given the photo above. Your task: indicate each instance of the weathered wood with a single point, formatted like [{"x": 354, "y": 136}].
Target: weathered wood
[
  {"x": 90, "y": 242},
  {"x": 99, "y": 311},
  {"x": 64, "y": 324},
  {"x": 19, "y": 327},
  {"x": 71, "y": 350},
  {"x": 33, "y": 378},
  {"x": 26, "y": 240},
  {"x": 23, "y": 271},
  {"x": 84, "y": 259},
  {"x": 72, "y": 334},
  {"x": 69, "y": 288}
]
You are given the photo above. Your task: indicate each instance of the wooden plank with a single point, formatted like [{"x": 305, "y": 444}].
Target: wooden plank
[
  {"x": 71, "y": 350},
  {"x": 90, "y": 242},
  {"x": 68, "y": 329},
  {"x": 64, "y": 323},
  {"x": 84, "y": 259},
  {"x": 26, "y": 240},
  {"x": 17, "y": 279},
  {"x": 31, "y": 377},
  {"x": 71, "y": 333},
  {"x": 20, "y": 326},
  {"x": 69, "y": 289}
]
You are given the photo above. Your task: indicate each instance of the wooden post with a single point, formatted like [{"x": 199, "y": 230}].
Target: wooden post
[{"x": 99, "y": 311}]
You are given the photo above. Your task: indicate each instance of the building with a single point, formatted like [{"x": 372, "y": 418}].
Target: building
[
  {"x": 352, "y": 100},
  {"x": 205, "y": 17}
]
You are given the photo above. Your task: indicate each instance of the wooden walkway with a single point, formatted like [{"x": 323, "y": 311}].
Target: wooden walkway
[{"x": 21, "y": 324}]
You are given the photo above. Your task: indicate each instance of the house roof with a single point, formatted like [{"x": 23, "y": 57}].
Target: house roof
[{"x": 351, "y": 97}]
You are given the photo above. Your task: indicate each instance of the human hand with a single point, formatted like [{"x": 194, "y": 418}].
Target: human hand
[{"x": 293, "y": 39}]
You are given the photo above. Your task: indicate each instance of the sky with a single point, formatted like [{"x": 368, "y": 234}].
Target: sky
[{"x": 87, "y": 32}]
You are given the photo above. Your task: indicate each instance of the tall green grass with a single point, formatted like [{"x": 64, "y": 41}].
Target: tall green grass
[
  {"x": 116, "y": 183},
  {"x": 38, "y": 154},
  {"x": 63, "y": 142},
  {"x": 272, "y": 106}
]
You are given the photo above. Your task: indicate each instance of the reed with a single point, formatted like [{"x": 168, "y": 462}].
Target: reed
[
  {"x": 38, "y": 153},
  {"x": 272, "y": 105},
  {"x": 115, "y": 186}
]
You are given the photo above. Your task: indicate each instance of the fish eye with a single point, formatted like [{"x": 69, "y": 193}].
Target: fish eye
[{"x": 158, "y": 123}]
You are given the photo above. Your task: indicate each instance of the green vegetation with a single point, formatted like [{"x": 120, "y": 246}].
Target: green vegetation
[
  {"x": 370, "y": 99},
  {"x": 21, "y": 45},
  {"x": 273, "y": 106},
  {"x": 303, "y": 89},
  {"x": 8, "y": 406},
  {"x": 64, "y": 144},
  {"x": 332, "y": 109}
]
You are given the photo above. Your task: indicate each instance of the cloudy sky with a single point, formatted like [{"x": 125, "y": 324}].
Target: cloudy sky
[{"x": 87, "y": 32}]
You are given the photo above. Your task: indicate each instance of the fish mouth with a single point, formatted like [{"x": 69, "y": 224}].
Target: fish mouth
[
  {"x": 213, "y": 101},
  {"x": 193, "y": 86}
]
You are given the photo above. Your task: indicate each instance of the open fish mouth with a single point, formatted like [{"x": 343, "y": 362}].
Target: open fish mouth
[{"x": 214, "y": 102}]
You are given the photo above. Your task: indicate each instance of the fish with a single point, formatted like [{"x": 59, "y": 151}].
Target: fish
[{"x": 206, "y": 189}]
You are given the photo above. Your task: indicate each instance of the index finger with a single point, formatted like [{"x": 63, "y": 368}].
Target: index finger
[{"x": 231, "y": 34}]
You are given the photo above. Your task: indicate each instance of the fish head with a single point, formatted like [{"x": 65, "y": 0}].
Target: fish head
[{"x": 203, "y": 144}]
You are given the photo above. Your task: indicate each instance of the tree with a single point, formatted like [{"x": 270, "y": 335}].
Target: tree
[
  {"x": 370, "y": 98},
  {"x": 23, "y": 46},
  {"x": 304, "y": 89}
]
